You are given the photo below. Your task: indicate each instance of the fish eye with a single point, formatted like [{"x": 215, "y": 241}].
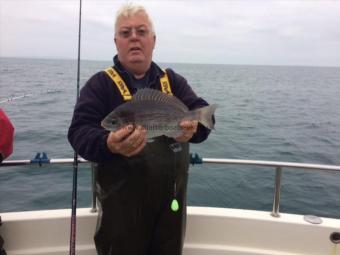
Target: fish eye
[{"x": 114, "y": 122}]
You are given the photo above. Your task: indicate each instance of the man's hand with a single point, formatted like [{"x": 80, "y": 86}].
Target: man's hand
[
  {"x": 189, "y": 128},
  {"x": 127, "y": 141}
]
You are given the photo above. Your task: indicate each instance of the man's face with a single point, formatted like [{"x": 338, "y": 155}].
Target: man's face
[{"x": 135, "y": 42}]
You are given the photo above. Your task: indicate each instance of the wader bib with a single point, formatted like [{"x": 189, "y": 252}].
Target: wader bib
[{"x": 135, "y": 195}]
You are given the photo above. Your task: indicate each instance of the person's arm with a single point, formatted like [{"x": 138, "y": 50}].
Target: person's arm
[
  {"x": 6, "y": 136},
  {"x": 85, "y": 134}
]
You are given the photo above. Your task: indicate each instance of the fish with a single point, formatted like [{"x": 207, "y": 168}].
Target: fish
[{"x": 157, "y": 112}]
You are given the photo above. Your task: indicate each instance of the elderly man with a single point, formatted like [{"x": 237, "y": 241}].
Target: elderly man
[{"x": 141, "y": 186}]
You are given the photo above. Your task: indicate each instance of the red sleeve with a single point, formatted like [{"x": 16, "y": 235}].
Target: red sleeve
[{"x": 6, "y": 135}]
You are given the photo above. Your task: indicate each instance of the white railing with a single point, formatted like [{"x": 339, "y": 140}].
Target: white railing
[{"x": 195, "y": 159}]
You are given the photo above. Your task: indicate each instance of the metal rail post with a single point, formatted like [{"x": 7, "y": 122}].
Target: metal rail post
[
  {"x": 94, "y": 197},
  {"x": 276, "y": 202}
]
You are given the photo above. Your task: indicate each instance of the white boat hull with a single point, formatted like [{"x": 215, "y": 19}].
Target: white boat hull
[{"x": 210, "y": 231}]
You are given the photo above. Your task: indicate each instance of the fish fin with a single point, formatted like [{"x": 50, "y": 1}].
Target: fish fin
[
  {"x": 205, "y": 115},
  {"x": 147, "y": 94}
]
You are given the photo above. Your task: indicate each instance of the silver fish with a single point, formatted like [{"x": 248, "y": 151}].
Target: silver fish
[{"x": 159, "y": 113}]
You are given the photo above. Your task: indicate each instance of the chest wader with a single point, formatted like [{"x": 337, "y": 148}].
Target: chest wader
[{"x": 135, "y": 195}]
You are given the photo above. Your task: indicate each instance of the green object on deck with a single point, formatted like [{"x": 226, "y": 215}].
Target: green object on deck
[{"x": 174, "y": 205}]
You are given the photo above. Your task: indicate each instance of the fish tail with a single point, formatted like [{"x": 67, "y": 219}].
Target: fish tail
[{"x": 205, "y": 115}]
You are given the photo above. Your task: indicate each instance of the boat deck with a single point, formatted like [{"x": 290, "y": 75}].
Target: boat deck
[{"x": 210, "y": 231}]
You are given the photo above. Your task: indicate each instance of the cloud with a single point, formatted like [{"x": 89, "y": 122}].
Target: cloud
[{"x": 230, "y": 32}]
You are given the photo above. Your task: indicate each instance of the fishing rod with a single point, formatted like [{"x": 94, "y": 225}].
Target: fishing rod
[{"x": 75, "y": 159}]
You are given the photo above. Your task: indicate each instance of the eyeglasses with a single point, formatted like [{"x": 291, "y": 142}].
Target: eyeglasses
[{"x": 127, "y": 32}]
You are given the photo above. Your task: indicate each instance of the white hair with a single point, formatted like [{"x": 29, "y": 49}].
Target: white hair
[{"x": 130, "y": 9}]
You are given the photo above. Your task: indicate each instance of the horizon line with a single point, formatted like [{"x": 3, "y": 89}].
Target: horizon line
[{"x": 161, "y": 62}]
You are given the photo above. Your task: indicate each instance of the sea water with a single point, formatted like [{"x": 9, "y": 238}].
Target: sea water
[{"x": 277, "y": 113}]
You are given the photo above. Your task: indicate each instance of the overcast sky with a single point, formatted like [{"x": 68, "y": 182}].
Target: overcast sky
[{"x": 305, "y": 32}]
